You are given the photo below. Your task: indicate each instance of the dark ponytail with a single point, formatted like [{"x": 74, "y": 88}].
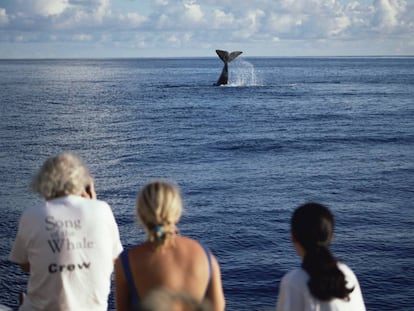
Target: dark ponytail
[{"x": 312, "y": 227}]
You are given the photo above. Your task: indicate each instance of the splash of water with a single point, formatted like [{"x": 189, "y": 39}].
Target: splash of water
[{"x": 242, "y": 73}]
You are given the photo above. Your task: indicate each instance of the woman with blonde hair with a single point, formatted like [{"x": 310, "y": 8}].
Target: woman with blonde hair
[{"x": 166, "y": 259}]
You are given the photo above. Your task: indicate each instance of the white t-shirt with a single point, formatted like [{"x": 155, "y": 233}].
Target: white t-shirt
[
  {"x": 70, "y": 243},
  {"x": 294, "y": 294}
]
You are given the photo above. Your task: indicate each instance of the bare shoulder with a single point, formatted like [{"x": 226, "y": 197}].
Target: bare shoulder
[
  {"x": 190, "y": 245},
  {"x": 187, "y": 241},
  {"x": 140, "y": 249}
]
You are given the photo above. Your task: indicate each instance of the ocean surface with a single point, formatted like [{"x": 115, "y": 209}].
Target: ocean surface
[{"x": 339, "y": 131}]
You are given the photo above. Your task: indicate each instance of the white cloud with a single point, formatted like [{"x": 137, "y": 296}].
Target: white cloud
[
  {"x": 254, "y": 17},
  {"x": 183, "y": 15},
  {"x": 340, "y": 24},
  {"x": 102, "y": 10},
  {"x": 174, "y": 40},
  {"x": 48, "y": 8},
  {"x": 161, "y": 2},
  {"x": 283, "y": 23},
  {"x": 81, "y": 37},
  {"x": 41, "y": 7},
  {"x": 256, "y": 26},
  {"x": 250, "y": 25},
  {"x": 3, "y": 17},
  {"x": 387, "y": 13},
  {"x": 222, "y": 19},
  {"x": 105, "y": 37},
  {"x": 193, "y": 11},
  {"x": 135, "y": 19},
  {"x": 163, "y": 22}
]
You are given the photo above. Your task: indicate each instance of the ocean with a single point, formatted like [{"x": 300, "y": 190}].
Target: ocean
[{"x": 284, "y": 131}]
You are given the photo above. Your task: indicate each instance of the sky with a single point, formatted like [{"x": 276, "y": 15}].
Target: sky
[{"x": 195, "y": 28}]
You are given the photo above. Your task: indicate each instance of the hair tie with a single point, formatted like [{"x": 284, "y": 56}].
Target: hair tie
[{"x": 159, "y": 231}]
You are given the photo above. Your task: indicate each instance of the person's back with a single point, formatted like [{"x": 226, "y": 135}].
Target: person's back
[
  {"x": 294, "y": 293},
  {"x": 182, "y": 264},
  {"x": 164, "y": 299},
  {"x": 68, "y": 245},
  {"x": 166, "y": 259},
  {"x": 321, "y": 283}
]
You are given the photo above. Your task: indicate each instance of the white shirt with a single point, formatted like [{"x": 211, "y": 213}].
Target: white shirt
[
  {"x": 70, "y": 244},
  {"x": 294, "y": 294}
]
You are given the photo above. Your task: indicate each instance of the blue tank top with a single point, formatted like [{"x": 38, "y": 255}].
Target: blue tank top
[{"x": 127, "y": 270}]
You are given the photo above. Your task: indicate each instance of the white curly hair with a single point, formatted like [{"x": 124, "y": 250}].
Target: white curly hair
[{"x": 61, "y": 175}]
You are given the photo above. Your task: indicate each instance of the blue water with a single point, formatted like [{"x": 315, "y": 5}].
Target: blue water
[{"x": 284, "y": 131}]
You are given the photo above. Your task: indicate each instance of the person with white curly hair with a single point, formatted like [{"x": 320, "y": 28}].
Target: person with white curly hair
[{"x": 68, "y": 243}]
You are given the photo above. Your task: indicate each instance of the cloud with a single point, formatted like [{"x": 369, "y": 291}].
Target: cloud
[
  {"x": 82, "y": 37},
  {"x": 3, "y": 17},
  {"x": 44, "y": 7},
  {"x": 283, "y": 23},
  {"x": 221, "y": 19},
  {"x": 387, "y": 13},
  {"x": 183, "y": 24},
  {"x": 134, "y": 19},
  {"x": 339, "y": 24},
  {"x": 252, "y": 23},
  {"x": 193, "y": 11}
]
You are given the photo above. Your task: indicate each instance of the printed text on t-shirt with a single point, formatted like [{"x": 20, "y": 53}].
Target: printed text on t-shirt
[{"x": 64, "y": 235}]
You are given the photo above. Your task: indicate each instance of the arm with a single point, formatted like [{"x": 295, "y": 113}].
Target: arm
[
  {"x": 19, "y": 252},
  {"x": 215, "y": 293},
  {"x": 121, "y": 288}
]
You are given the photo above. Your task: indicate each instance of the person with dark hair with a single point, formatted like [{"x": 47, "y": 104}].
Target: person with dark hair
[
  {"x": 322, "y": 283},
  {"x": 166, "y": 259}
]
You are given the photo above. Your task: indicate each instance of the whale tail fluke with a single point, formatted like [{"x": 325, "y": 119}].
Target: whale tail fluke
[{"x": 227, "y": 57}]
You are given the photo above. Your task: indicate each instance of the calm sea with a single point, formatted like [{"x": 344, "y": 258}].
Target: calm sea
[{"x": 284, "y": 131}]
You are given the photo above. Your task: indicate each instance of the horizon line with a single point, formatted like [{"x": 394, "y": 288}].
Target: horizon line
[{"x": 198, "y": 57}]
